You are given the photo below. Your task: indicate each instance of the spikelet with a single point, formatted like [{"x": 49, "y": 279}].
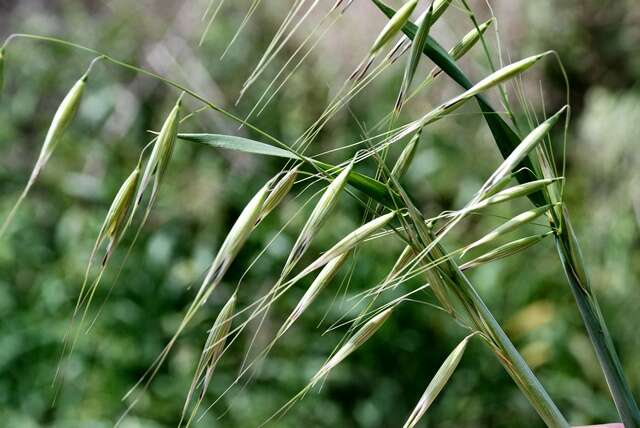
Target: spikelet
[
  {"x": 354, "y": 342},
  {"x": 407, "y": 255},
  {"x": 348, "y": 242},
  {"x": 324, "y": 277},
  {"x": 438, "y": 382},
  {"x": 117, "y": 219},
  {"x": 216, "y": 340},
  {"x": 414, "y": 58},
  {"x": 528, "y": 143},
  {"x": 211, "y": 353},
  {"x": 406, "y": 156},
  {"x": 514, "y": 192},
  {"x": 505, "y": 250},
  {"x": 439, "y": 7},
  {"x": 497, "y": 77},
  {"x": 512, "y": 224},
  {"x": 393, "y": 26},
  {"x": 488, "y": 82},
  {"x": 235, "y": 239},
  {"x": 280, "y": 190},
  {"x": 317, "y": 218},
  {"x": 161, "y": 152},
  {"x": 113, "y": 228},
  {"x": 62, "y": 118},
  {"x": 469, "y": 40}
]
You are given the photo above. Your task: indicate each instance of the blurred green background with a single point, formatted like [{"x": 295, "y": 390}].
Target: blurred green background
[{"x": 44, "y": 256}]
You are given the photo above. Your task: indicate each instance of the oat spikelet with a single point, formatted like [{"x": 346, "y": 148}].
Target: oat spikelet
[
  {"x": 393, "y": 26},
  {"x": 234, "y": 241},
  {"x": 406, "y": 156},
  {"x": 535, "y": 137},
  {"x": 324, "y": 277},
  {"x": 279, "y": 192},
  {"x": 512, "y": 224},
  {"x": 514, "y": 192},
  {"x": 161, "y": 153},
  {"x": 348, "y": 242},
  {"x": 317, "y": 218},
  {"x": 505, "y": 250},
  {"x": 354, "y": 342},
  {"x": 61, "y": 120},
  {"x": 438, "y": 382},
  {"x": 211, "y": 353}
]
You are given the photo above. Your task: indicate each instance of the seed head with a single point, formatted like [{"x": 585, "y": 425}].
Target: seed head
[
  {"x": 505, "y": 250},
  {"x": 512, "y": 224},
  {"x": 469, "y": 40},
  {"x": 116, "y": 220},
  {"x": 354, "y": 342},
  {"x": 236, "y": 238},
  {"x": 162, "y": 150},
  {"x": 324, "y": 277},
  {"x": 280, "y": 190},
  {"x": 438, "y": 382},
  {"x": 216, "y": 340},
  {"x": 405, "y": 158},
  {"x": 394, "y": 25},
  {"x": 61, "y": 120},
  {"x": 515, "y": 192},
  {"x": 318, "y": 216},
  {"x": 348, "y": 242},
  {"x": 523, "y": 149}
]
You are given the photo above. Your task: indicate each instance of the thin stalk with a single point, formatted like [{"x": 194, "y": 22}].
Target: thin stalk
[
  {"x": 573, "y": 265},
  {"x": 509, "y": 356},
  {"x": 567, "y": 245},
  {"x": 463, "y": 291}
]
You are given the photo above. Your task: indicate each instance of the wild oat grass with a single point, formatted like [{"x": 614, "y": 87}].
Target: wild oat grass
[{"x": 391, "y": 214}]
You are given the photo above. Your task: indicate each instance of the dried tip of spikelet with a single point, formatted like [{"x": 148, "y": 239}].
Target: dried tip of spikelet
[
  {"x": 362, "y": 69},
  {"x": 338, "y": 4}
]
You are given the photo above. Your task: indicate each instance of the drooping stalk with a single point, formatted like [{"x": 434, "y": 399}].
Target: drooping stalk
[{"x": 567, "y": 245}]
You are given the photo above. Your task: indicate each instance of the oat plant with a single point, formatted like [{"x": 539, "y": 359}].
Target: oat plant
[{"x": 529, "y": 170}]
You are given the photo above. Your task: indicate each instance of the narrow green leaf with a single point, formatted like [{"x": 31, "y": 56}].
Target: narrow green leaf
[
  {"x": 506, "y": 139},
  {"x": 367, "y": 185},
  {"x": 238, "y": 143}
]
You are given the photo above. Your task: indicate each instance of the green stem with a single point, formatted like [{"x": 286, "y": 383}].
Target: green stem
[
  {"x": 573, "y": 264},
  {"x": 510, "y": 358},
  {"x": 506, "y": 140}
]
